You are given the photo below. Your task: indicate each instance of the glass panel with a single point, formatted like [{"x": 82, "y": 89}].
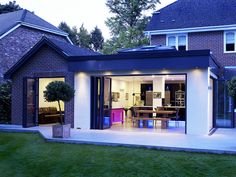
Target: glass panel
[
  {"x": 182, "y": 40},
  {"x": 223, "y": 106},
  {"x": 107, "y": 103},
  {"x": 171, "y": 41},
  {"x": 182, "y": 43},
  {"x": 230, "y": 47},
  {"x": 229, "y": 38},
  {"x": 98, "y": 109},
  {"x": 182, "y": 48},
  {"x": 30, "y": 103}
]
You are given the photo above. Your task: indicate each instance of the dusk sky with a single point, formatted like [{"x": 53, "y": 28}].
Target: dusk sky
[{"x": 74, "y": 12}]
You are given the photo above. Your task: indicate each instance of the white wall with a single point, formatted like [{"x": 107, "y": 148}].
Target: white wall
[
  {"x": 122, "y": 88},
  {"x": 197, "y": 102},
  {"x": 158, "y": 86},
  {"x": 82, "y": 101},
  {"x": 133, "y": 87},
  {"x": 43, "y": 82}
]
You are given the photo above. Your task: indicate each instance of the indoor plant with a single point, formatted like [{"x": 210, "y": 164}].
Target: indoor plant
[{"x": 59, "y": 91}]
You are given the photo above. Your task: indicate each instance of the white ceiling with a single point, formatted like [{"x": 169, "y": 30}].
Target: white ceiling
[{"x": 149, "y": 78}]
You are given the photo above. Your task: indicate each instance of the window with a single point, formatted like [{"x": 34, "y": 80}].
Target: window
[
  {"x": 177, "y": 41},
  {"x": 230, "y": 42}
]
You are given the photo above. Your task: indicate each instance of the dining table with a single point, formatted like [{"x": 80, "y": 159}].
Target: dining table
[{"x": 164, "y": 118}]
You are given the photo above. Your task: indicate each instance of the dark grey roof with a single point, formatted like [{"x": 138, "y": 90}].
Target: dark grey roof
[
  {"x": 194, "y": 13},
  {"x": 9, "y": 20},
  {"x": 71, "y": 50}
]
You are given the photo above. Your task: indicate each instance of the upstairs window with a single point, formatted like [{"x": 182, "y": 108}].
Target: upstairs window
[
  {"x": 172, "y": 41},
  {"x": 177, "y": 41},
  {"x": 230, "y": 42}
]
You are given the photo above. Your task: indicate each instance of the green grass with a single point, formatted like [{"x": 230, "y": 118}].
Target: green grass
[{"x": 27, "y": 155}]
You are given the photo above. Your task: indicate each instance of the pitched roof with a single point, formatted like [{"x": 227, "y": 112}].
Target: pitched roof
[
  {"x": 71, "y": 50},
  {"x": 65, "y": 49},
  {"x": 194, "y": 13},
  {"x": 27, "y": 18}
]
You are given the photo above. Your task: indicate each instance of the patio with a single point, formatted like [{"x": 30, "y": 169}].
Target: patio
[{"x": 222, "y": 141}]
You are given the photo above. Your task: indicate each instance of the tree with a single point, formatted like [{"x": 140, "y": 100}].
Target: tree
[
  {"x": 231, "y": 85},
  {"x": 72, "y": 32},
  {"x": 84, "y": 39},
  {"x": 97, "y": 39},
  {"x": 128, "y": 22},
  {"x": 58, "y": 91},
  {"x": 11, "y": 6},
  {"x": 5, "y": 102}
]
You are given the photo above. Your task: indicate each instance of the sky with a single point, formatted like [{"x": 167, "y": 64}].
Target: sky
[{"x": 91, "y": 13}]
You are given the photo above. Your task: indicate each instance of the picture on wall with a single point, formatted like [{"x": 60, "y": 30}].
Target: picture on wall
[
  {"x": 127, "y": 96},
  {"x": 156, "y": 95},
  {"x": 115, "y": 96}
]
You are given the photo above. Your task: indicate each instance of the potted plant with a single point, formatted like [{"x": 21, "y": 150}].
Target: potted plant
[{"x": 59, "y": 91}]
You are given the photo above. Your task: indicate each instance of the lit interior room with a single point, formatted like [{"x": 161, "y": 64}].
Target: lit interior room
[
  {"x": 149, "y": 103},
  {"x": 48, "y": 111}
]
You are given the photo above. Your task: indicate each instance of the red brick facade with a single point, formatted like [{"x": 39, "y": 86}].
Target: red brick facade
[
  {"x": 205, "y": 40},
  {"x": 17, "y": 43},
  {"x": 45, "y": 63},
  {"x": 158, "y": 40}
]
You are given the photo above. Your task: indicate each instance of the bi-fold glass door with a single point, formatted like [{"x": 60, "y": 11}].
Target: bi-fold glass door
[
  {"x": 30, "y": 102},
  {"x": 223, "y": 106},
  {"x": 100, "y": 103}
]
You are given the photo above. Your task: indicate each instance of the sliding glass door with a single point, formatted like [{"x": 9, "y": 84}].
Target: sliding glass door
[
  {"x": 30, "y": 102},
  {"x": 100, "y": 103}
]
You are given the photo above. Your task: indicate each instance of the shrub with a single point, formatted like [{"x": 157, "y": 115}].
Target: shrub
[
  {"x": 5, "y": 102},
  {"x": 58, "y": 91}
]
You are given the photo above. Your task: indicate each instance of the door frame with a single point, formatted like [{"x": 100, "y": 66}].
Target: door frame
[
  {"x": 93, "y": 98},
  {"x": 36, "y": 99},
  {"x": 97, "y": 113}
]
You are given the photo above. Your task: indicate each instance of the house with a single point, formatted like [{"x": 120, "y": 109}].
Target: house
[
  {"x": 154, "y": 88},
  {"x": 196, "y": 25},
  {"x": 104, "y": 85},
  {"x": 19, "y": 31}
]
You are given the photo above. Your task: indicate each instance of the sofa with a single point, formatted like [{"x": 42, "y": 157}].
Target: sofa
[{"x": 49, "y": 115}]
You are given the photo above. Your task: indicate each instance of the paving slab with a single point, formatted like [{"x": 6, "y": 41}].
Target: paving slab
[{"x": 222, "y": 141}]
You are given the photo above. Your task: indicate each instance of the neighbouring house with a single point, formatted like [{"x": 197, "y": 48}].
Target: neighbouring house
[
  {"x": 153, "y": 88},
  {"x": 19, "y": 31}
]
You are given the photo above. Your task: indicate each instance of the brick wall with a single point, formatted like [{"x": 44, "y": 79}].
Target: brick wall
[
  {"x": 45, "y": 63},
  {"x": 205, "y": 40},
  {"x": 215, "y": 42},
  {"x": 17, "y": 43},
  {"x": 158, "y": 40}
]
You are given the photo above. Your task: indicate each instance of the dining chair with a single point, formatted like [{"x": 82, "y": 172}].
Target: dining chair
[{"x": 177, "y": 118}]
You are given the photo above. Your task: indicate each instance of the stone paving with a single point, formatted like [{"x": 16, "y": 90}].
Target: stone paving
[{"x": 222, "y": 141}]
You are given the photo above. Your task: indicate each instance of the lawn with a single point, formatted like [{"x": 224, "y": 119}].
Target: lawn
[{"x": 28, "y": 155}]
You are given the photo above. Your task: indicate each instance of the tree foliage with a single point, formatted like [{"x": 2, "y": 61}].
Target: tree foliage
[
  {"x": 232, "y": 87},
  {"x": 127, "y": 23},
  {"x": 58, "y": 91},
  {"x": 5, "y": 102},
  {"x": 84, "y": 38},
  {"x": 97, "y": 39},
  {"x": 71, "y": 31},
  {"x": 93, "y": 40},
  {"x": 11, "y": 6}
]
